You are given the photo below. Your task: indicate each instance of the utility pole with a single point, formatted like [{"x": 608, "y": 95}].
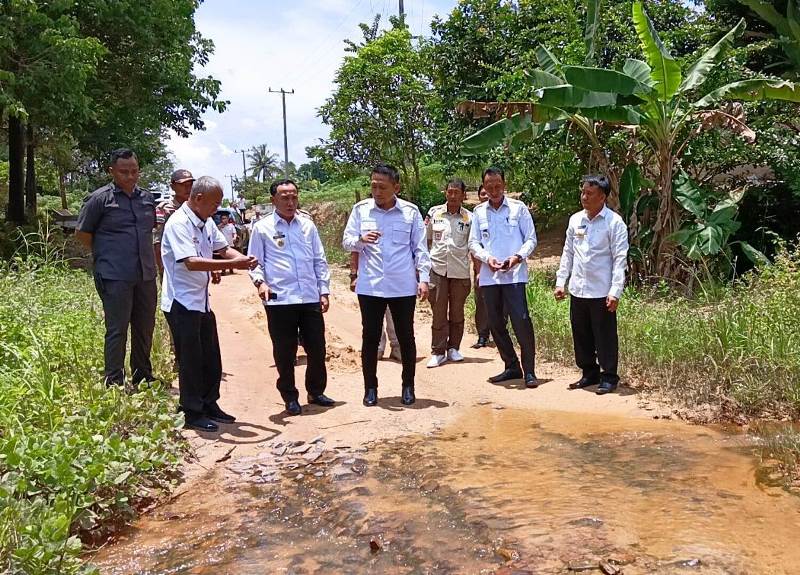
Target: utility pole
[
  {"x": 244, "y": 172},
  {"x": 283, "y": 93},
  {"x": 402, "y": 10},
  {"x": 229, "y": 176}
]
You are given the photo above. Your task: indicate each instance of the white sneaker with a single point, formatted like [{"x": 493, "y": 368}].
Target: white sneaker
[
  {"x": 454, "y": 355},
  {"x": 437, "y": 360}
]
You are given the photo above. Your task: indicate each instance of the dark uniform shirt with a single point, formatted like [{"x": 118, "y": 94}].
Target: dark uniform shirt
[{"x": 122, "y": 233}]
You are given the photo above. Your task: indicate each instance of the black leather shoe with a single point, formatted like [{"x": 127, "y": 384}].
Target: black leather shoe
[
  {"x": 531, "y": 381},
  {"x": 583, "y": 382},
  {"x": 322, "y": 400},
  {"x": 200, "y": 423},
  {"x": 371, "y": 397},
  {"x": 605, "y": 387},
  {"x": 408, "y": 396},
  {"x": 505, "y": 376},
  {"x": 482, "y": 342},
  {"x": 214, "y": 412},
  {"x": 293, "y": 407}
]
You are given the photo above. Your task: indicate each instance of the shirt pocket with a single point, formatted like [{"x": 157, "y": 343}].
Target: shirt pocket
[{"x": 401, "y": 233}]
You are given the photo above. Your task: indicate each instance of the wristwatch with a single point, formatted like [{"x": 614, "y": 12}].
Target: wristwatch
[
  {"x": 258, "y": 283},
  {"x": 353, "y": 275}
]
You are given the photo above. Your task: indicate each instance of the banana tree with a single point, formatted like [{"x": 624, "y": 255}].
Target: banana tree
[{"x": 654, "y": 101}]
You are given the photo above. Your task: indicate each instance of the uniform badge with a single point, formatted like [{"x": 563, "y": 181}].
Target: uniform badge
[{"x": 279, "y": 240}]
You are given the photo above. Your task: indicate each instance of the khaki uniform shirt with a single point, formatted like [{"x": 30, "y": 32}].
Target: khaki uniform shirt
[
  {"x": 164, "y": 210},
  {"x": 449, "y": 237}
]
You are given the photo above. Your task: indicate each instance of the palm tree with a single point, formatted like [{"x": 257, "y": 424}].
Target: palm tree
[{"x": 263, "y": 163}]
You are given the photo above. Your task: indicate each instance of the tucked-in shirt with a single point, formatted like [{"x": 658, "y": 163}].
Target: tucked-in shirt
[
  {"x": 187, "y": 236},
  {"x": 389, "y": 267},
  {"x": 595, "y": 255},
  {"x": 449, "y": 237},
  {"x": 122, "y": 232},
  {"x": 502, "y": 233},
  {"x": 163, "y": 211},
  {"x": 291, "y": 259}
]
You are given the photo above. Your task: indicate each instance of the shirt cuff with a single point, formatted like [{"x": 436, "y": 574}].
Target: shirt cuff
[
  {"x": 615, "y": 292},
  {"x": 561, "y": 282},
  {"x": 425, "y": 277}
]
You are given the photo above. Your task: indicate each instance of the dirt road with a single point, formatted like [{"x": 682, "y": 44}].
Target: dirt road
[{"x": 248, "y": 387}]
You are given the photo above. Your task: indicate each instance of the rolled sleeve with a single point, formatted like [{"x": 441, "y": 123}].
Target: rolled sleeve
[{"x": 619, "y": 255}]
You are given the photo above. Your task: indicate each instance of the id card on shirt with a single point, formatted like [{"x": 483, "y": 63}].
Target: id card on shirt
[{"x": 580, "y": 232}]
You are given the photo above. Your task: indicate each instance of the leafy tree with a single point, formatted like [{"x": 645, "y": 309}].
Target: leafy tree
[
  {"x": 264, "y": 164},
  {"x": 378, "y": 111},
  {"x": 654, "y": 97},
  {"x": 313, "y": 170}
]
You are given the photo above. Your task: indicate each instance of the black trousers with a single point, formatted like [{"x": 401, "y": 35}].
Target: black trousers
[
  {"x": 198, "y": 355},
  {"x": 372, "y": 310},
  {"x": 128, "y": 304},
  {"x": 510, "y": 301},
  {"x": 481, "y": 317},
  {"x": 594, "y": 335},
  {"x": 283, "y": 322}
]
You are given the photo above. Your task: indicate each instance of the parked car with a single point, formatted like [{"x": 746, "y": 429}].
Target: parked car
[{"x": 242, "y": 230}]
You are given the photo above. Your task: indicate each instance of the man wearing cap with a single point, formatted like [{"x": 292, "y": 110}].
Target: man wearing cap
[
  {"x": 181, "y": 183},
  {"x": 116, "y": 222}
]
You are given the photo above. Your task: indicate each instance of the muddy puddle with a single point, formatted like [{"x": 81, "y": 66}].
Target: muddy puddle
[{"x": 502, "y": 491}]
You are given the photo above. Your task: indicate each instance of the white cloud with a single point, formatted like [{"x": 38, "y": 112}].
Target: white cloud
[{"x": 276, "y": 44}]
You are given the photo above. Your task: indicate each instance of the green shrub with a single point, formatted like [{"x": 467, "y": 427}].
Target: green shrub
[{"x": 75, "y": 458}]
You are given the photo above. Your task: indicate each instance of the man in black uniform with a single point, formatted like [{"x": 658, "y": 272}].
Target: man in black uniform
[{"x": 116, "y": 222}]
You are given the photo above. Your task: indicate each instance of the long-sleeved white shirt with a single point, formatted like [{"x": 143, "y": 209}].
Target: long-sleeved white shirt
[
  {"x": 291, "y": 259},
  {"x": 502, "y": 233},
  {"x": 388, "y": 267},
  {"x": 595, "y": 255}
]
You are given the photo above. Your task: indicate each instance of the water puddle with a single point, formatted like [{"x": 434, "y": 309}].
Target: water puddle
[{"x": 501, "y": 492}]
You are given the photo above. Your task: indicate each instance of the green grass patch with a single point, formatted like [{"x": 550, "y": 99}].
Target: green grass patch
[
  {"x": 76, "y": 459},
  {"x": 735, "y": 349}
]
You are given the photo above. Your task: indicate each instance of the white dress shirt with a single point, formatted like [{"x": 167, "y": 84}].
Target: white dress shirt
[
  {"x": 449, "y": 237},
  {"x": 388, "y": 267},
  {"x": 187, "y": 236},
  {"x": 502, "y": 233},
  {"x": 595, "y": 255},
  {"x": 291, "y": 259}
]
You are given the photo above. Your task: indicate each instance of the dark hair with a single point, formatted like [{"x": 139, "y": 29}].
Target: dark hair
[
  {"x": 122, "y": 154},
  {"x": 597, "y": 181},
  {"x": 480, "y": 188},
  {"x": 273, "y": 189},
  {"x": 457, "y": 183},
  {"x": 493, "y": 171},
  {"x": 388, "y": 171}
]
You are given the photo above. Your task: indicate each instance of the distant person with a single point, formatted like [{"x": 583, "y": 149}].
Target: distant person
[
  {"x": 293, "y": 281},
  {"x": 502, "y": 238},
  {"x": 116, "y": 222},
  {"x": 241, "y": 205},
  {"x": 388, "y": 334},
  {"x": 181, "y": 183},
  {"x": 447, "y": 227},
  {"x": 228, "y": 230},
  {"x": 594, "y": 260},
  {"x": 393, "y": 270},
  {"x": 481, "y": 317},
  {"x": 188, "y": 246}
]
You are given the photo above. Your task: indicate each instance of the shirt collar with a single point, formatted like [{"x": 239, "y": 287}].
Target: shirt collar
[
  {"x": 601, "y": 214},
  {"x": 397, "y": 205},
  {"x": 137, "y": 191},
  {"x": 276, "y": 218},
  {"x": 503, "y": 203},
  {"x": 196, "y": 221}
]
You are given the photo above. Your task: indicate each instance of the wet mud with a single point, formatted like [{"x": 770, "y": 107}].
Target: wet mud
[{"x": 501, "y": 491}]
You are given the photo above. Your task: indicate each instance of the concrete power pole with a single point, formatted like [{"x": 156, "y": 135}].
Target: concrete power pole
[
  {"x": 229, "y": 176},
  {"x": 283, "y": 93},
  {"x": 402, "y": 10}
]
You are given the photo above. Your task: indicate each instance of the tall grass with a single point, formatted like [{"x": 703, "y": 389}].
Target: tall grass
[
  {"x": 75, "y": 457},
  {"x": 737, "y": 348}
]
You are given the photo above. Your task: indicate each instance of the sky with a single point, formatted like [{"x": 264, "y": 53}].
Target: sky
[{"x": 289, "y": 44}]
